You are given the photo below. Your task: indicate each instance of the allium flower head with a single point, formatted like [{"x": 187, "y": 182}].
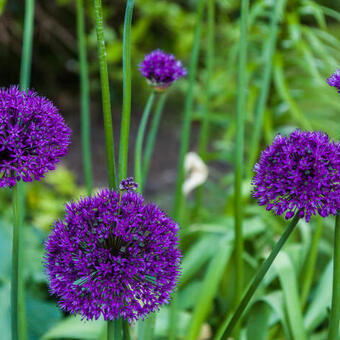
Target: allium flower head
[
  {"x": 33, "y": 136},
  {"x": 334, "y": 80},
  {"x": 128, "y": 184},
  {"x": 113, "y": 255},
  {"x": 299, "y": 173},
  {"x": 161, "y": 69}
]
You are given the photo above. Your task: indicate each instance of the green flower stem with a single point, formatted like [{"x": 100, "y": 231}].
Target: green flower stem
[
  {"x": 139, "y": 141},
  {"x": 239, "y": 150},
  {"x": 277, "y": 10},
  {"x": 106, "y": 101},
  {"x": 17, "y": 288},
  {"x": 18, "y": 310},
  {"x": 114, "y": 330},
  {"x": 185, "y": 138},
  {"x": 333, "y": 332},
  {"x": 26, "y": 58},
  {"x": 204, "y": 133},
  {"x": 310, "y": 263},
  {"x": 227, "y": 327},
  {"x": 85, "y": 99},
  {"x": 151, "y": 138},
  {"x": 126, "y": 330},
  {"x": 125, "y": 127}
]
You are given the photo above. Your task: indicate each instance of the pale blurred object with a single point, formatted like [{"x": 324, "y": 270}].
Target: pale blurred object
[{"x": 196, "y": 172}]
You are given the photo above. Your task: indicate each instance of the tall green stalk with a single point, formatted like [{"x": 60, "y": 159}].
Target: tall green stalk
[
  {"x": 210, "y": 52},
  {"x": 85, "y": 99},
  {"x": 139, "y": 141},
  {"x": 151, "y": 138},
  {"x": 106, "y": 101},
  {"x": 125, "y": 127},
  {"x": 185, "y": 140},
  {"x": 278, "y": 7},
  {"x": 333, "y": 331},
  {"x": 228, "y": 326},
  {"x": 114, "y": 330},
  {"x": 185, "y": 137},
  {"x": 18, "y": 311},
  {"x": 239, "y": 149}
]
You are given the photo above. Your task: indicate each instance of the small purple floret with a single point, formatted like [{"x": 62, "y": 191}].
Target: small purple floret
[
  {"x": 33, "y": 136},
  {"x": 161, "y": 69},
  {"x": 299, "y": 173},
  {"x": 113, "y": 255},
  {"x": 128, "y": 184},
  {"x": 334, "y": 80}
]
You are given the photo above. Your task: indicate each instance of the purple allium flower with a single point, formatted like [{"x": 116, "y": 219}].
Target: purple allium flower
[
  {"x": 161, "y": 69},
  {"x": 33, "y": 136},
  {"x": 113, "y": 255},
  {"x": 299, "y": 173},
  {"x": 334, "y": 80},
  {"x": 128, "y": 184}
]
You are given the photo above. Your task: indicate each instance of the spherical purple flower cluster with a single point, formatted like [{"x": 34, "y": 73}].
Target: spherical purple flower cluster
[
  {"x": 299, "y": 173},
  {"x": 33, "y": 136},
  {"x": 113, "y": 255},
  {"x": 334, "y": 80},
  {"x": 161, "y": 69}
]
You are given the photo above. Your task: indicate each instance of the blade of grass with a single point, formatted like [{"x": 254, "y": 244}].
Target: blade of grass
[
  {"x": 185, "y": 140},
  {"x": 85, "y": 100},
  {"x": 239, "y": 153},
  {"x": 258, "y": 322},
  {"x": 189, "y": 100},
  {"x": 151, "y": 138},
  {"x": 104, "y": 78},
  {"x": 283, "y": 90},
  {"x": 125, "y": 126},
  {"x": 277, "y": 12},
  {"x": 288, "y": 280},
  {"x": 2, "y": 6},
  {"x": 310, "y": 263},
  {"x": 204, "y": 133},
  {"x": 139, "y": 141},
  {"x": 209, "y": 288}
]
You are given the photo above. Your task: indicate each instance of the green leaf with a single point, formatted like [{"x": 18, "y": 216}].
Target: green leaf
[
  {"x": 317, "y": 310},
  {"x": 74, "y": 328},
  {"x": 209, "y": 288},
  {"x": 288, "y": 280},
  {"x": 258, "y": 322}
]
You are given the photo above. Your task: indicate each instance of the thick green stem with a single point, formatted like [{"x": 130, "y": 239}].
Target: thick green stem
[
  {"x": 85, "y": 99},
  {"x": 239, "y": 150},
  {"x": 307, "y": 277},
  {"x": 139, "y": 141},
  {"x": 18, "y": 311},
  {"x": 210, "y": 52},
  {"x": 26, "y": 58},
  {"x": 106, "y": 101},
  {"x": 333, "y": 332},
  {"x": 151, "y": 138},
  {"x": 227, "y": 327},
  {"x": 17, "y": 288},
  {"x": 277, "y": 10},
  {"x": 115, "y": 330},
  {"x": 125, "y": 127},
  {"x": 185, "y": 137},
  {"x": 126, "y": 331}
]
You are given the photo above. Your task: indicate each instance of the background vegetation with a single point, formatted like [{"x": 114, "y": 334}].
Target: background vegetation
[{"x": 307, "y": 51}]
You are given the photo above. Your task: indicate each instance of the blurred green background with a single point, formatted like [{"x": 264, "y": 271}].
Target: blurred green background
[{"x": 307, "y": 52}]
